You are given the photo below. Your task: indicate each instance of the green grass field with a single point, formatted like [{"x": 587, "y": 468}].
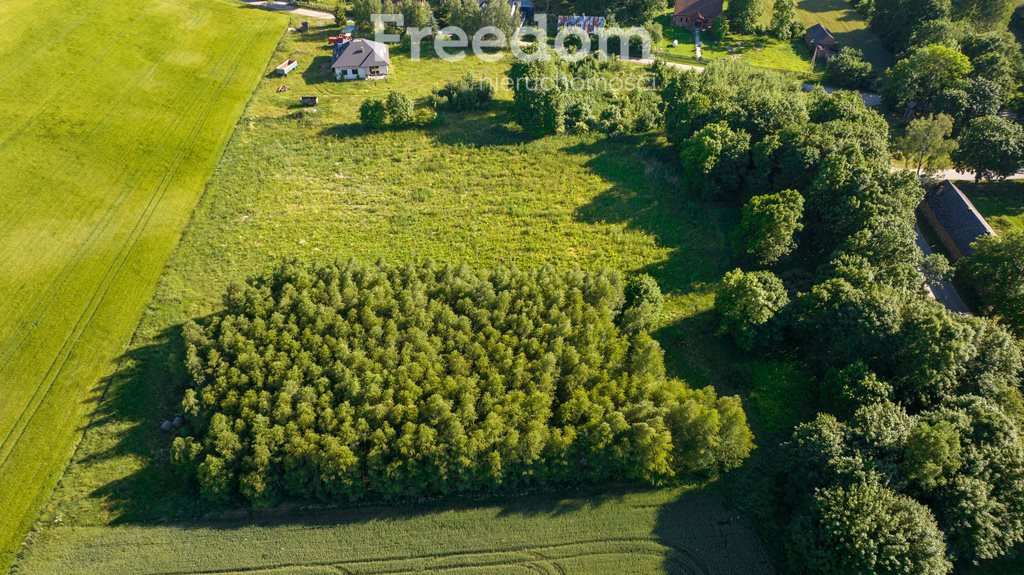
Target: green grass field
[
  {"x": 112, "y": 118},
  {"x": 1002, "y": 203},
  {"x": 763, "y": 52},
  {"x": 470, "y": 188},
  {"x": 848, "y": 26}
]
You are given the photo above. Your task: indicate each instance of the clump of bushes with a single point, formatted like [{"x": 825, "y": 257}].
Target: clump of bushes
[
  {"x": 396, "y": 111},
  {"x": 348, "y": 382},
  {"x": 462, "y": 95}
]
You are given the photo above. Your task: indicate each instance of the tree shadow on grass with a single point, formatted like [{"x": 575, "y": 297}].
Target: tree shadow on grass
[
  {"x": 647, "y": 195},
  {"x": 490, "y": 127}
]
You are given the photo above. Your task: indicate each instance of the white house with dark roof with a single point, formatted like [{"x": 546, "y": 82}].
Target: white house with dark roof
[{"x": 360, "y": 59}]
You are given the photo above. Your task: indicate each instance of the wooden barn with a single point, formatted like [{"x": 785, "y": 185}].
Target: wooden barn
[{"x": 822, "y": 44}]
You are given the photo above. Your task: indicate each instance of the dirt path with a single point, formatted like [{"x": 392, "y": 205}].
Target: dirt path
[{"x": 285, "y": 7}]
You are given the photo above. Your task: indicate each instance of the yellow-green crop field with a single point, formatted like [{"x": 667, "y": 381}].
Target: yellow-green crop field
[{"x": 112, "y": 117}]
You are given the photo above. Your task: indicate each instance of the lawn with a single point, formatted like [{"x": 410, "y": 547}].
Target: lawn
[
  {"x": 469, "y": 188},
  {"x": 847, "y": 25},
  {"x": 1002, "y": 203},
  {"x": 112, "y": 118},
  {"x": 760, "y": 51}
]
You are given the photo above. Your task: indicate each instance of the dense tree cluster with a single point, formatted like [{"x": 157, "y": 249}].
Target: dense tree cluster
[
  {"x": 996, "y": 272},
  {"x": 916, "y": 462},
  {"x": 551, "y": 96},
  {"x": 348, "y": 381}
]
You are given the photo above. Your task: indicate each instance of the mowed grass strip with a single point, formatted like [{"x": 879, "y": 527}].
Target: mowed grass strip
[
  {"x": 471, "y": 189},
  {"x": 112, "y": 117}
]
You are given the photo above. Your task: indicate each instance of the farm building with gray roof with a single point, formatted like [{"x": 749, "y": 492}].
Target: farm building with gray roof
[{"x": 954, "y": 218}]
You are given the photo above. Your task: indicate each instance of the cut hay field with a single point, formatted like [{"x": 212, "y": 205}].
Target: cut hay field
[
  {"x": 470, "y": 188},
  {"x": 112, "y": 117}
]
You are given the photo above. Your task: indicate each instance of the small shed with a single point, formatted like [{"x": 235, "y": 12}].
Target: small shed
[
  {"x": 954, "y": 218},
  {"x": 285, "y": 67},
  {"x": 821, "y": 42},
  {"x": 309, "y": 100}
]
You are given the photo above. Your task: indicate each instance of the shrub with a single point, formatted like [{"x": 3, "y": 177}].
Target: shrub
[
  {"x": 849, "y": 69},
  {"x": 643, "y": 304},
  {"x": 349, "y": 382},
  {"x": 462, "y": 95},
  {"x": 373, "y": 114},
  {"x": 399, "y": 109}
]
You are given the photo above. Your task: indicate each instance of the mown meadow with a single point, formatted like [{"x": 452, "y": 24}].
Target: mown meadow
[
  {"x": 112, "y": 118},
  {"x": 467, "y": 188}
]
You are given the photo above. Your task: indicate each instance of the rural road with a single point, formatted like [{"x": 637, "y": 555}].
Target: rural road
[
  {"x": 944, "y": 292},
  {"x": 286, "y": 7}
]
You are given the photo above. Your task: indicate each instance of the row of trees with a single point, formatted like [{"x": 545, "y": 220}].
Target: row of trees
[
  {"x": 350, "y": 381},
  {"x": 399, "y": 111},
  {"x": 916, "y": 461}
]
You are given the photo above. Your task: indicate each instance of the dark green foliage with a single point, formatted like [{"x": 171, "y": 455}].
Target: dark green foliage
[
  {"x": 347, "y": 382},
  {"x": 720, "y": 29},
  {"x": 784, "y": 24},
  {"x": 634, "y": 112},
  {"x": 746, "y": 304},
  {"x": 362, "y": 12},
  {"x": 465, "y": 94},
  {"x": 470, "y": 16},
  {"x": 996, "y": 271},
  {"x": 985, "y": 14},
  {"x": 981, "y": 508},
  {"x": 415, "y": 13},
  {"x": 539, "y": 95},
  {"x": 643, "y": 304},
  {"x": 855, "y": 385},
  {"x": 992, "y": 147},
  {"x": 849, "y": 69},
  {"x": 897, "y": 21},
  {"x": 715, "y": 160},
  {"x": 866, "y": 529},
  {"x": 924, "y": 75},
  {"x": 399, "y": 109},
  {"x": 373, "y": 114},
  {"x": 769, "y": 224},
  {"x": 757, "y": 101},
  {"x": 745, "y": 15},
  {"x": 933, "y": 455}
]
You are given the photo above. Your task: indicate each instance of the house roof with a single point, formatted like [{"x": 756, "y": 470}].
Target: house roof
[
  {"x": 820, "y": 35},
  {"x": 957, "y": 215},
  {"x": 707, "y": 9},
  {"x": 360, "y": 53}
]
